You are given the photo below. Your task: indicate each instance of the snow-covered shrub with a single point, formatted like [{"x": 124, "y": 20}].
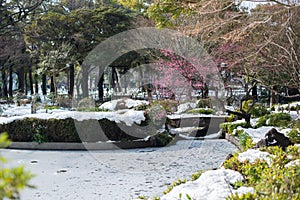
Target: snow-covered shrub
[
  {"x": 279, "y": 119},
  {"x": 262, "y": 121},
  {"x": 294, "y": 136},
  {"x": 270, "y": 181},
  {"x": 142, "y": 106},
  {"x": 170, "y": 106},
  {"x": 259, "y": 110},
  {"x": 205, "y": 111},
  {"x": 86, "y": 104},
  {"x": 64, "y": 101},
  {"x": 156, "y": 115},
  {"x": 204, "y": 103},
  {"x": 12, "y": 180},
  {"x": 245, "y": 140},
  {"x": 228, "y": 127}
]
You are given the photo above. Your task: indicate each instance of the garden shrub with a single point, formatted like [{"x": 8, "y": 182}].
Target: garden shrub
[
  {"x": 275, "y": 119},
  {"x": 170, "y": 106},
  {"x": 204, "y": 103},
  {"x": 142, "y": 106},
  {"x": 161, "y": 139},
  {"x": 228, "y": 127},
  {"x": 274, "y": 181},
  {"x": 246, "y": 105},
  {"x": 65, "y": 130},
  {"x": 86, "y": 104},
  {"x": 230, "y": 118},
  {"x": 196, "y": 175},
  {"x": 64, "y": 101},
  {"x": 294, "y": 136},
  {"x": 174, "y": 184},
  {"x": 245, "y": 140},
  {"x": 205, "y": 111},
  {"x": 280, "y": 119},
  {"x": 12, "y": 180},
  {"x": 51, "y": 107},
  {"x": 156, "y": 115},
  {"x": 262, "y": 121},
  {"x": 295, "y": 107},
  {"x": 259, "y": 110}
]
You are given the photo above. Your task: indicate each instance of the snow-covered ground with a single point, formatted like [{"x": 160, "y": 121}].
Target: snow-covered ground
[
  {"x": 128, "y": 116},
  {"x": 116, "y": 174}
]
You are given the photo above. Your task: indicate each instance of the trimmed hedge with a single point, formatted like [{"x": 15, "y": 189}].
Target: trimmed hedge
[{"x": 70, "y": 130}]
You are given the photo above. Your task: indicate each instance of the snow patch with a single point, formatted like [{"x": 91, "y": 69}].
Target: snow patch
[
  {"x": 253, "y": 154},
  {"x": 293, "y": 163},
  {"x": 129, "y": 117},
  {"x": 186, "y": 106},
  {"x": 211, "y": 185},
  {"x": 129, "y": 103}
]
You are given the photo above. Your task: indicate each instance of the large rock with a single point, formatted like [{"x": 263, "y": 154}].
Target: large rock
[{"x": 274, "y": 138}]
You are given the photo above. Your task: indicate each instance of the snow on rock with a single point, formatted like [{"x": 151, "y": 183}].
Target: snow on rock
[
  {"x": 253, "y": 154},
  {"x": 293, "y": 163},
  {"x": 128, "y": 103},
  {"x": 127, "y": 116},
  {"x": 186, "y": 106},
  {"x": 258, "y": 133},
  {"x": 244, "y": 190},
  {"x": 211, "y": 185}
]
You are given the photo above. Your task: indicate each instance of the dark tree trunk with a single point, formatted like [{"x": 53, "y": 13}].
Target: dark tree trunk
[
  {"x": 100, "y": 88},
  {"x": 52, "y": 89},
  {"x": 36, "y": 84},
  {"x": 21, "y": 80},
  {"x": 30, "y": 81},
  {"x": 254, "y": 92},
  {"x": 10, "y": 84},
  {"x": 84, "y": 81},
  {"x": 44, "y": 84},
  {"x": 26, "y": 83},
  {"x": 272, "y": 96},
  {"x": 71, "y": 80},
  {"x": 4, "y": 84}
]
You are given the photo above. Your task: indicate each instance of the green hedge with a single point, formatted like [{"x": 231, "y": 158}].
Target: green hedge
[
  {"x": 66, "y": 130},
  {"x": 228, "y": 127}
]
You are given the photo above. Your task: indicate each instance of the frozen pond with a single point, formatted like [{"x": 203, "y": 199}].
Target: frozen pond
[{"x": 115, "y": 174}]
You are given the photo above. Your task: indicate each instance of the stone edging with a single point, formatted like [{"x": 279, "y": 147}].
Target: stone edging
[
  {"x": 233, "y": 140},
  {"x": 79, "y": 146}
]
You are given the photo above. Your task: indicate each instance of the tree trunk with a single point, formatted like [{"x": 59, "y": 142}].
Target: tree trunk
[
  {"x": 21, "y": 80},
  {"x": 71, "y": 80},
  {"x": 272, "y": 96},
  {"x": 4, "y": 84},
  {"x": 100, "y": 88},
  {"x": 30, "y": 81},
  {"x": 36, "y": 84},
  {"x": 44, "y": 84},
  {"x": 254, "y": 92},
  {"x": 26, "y": 83},
  {"x": 52, "y": 89},
  {"x": 84, "y": 81},
  {"x": 10, "y": 84}
]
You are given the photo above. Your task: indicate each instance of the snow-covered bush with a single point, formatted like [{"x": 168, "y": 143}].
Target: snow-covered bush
[
  {"x": 204, "y": 103},
  {"x": 205, "y": 111},
  {"x": 270, "y": 180},
  {"x": 12, "y": 180}
]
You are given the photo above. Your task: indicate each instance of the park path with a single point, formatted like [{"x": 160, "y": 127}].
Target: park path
[{"x": 117, "y": 174}]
